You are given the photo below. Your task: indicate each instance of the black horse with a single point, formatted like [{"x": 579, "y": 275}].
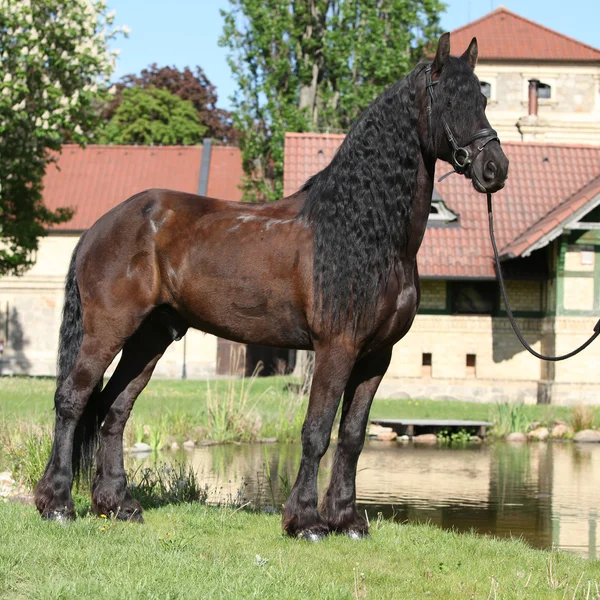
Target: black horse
[{"x": 332, "y": 268}]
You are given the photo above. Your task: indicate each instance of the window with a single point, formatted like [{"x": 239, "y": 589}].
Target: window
[
  {"x": 426, "y": 364},
  {"x": 439, "y": 213},
  {"x": 486, "y": 89},
  {"x": 471, "y": 364},
  {"x": 473, "y": 298},
  {"x": 544, "y": 90}
]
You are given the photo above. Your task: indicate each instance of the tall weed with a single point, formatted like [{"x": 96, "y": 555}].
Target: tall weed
[
  {"x": 508, "y": 418},
  {"x": 582, "y": 417},
  {"x": 27, "y": 449},
  {"x": 230, "y": 416},
  {"x": 166, "y": 484}
]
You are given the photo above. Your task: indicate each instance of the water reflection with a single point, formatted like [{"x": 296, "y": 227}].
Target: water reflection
[{"x": 545, "y": 493}]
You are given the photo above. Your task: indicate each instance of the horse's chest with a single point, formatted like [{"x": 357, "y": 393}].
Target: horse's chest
[{"x": 399, "y": 315}]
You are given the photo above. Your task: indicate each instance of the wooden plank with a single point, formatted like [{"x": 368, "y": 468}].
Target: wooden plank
[{"x": 432, "y": 422}]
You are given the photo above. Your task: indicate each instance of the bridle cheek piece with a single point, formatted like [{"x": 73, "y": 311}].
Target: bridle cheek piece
[{"x": 462, "y": 159}]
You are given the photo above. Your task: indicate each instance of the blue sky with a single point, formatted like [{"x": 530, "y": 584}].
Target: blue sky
[{"x": 185, "y": 32}]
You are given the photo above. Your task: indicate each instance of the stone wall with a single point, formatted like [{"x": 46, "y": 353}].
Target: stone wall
[{"x": 501, "y": 367}]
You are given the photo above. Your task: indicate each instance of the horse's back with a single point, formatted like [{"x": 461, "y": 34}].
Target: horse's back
[{"x": 228, "y": 267}]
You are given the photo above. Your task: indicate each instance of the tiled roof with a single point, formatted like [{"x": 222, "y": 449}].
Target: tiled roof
[
  {"x": 552, "y": 224},
  {"x": 503, "y": 35},
  {"x": 541, "y": 177},
  {"x": 95, "y": 179},
  {"x": 226, "y": 173}
]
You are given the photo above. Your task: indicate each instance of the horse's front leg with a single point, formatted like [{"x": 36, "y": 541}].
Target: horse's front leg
[
  {"x": 339, "y": 504},
  {"x": 332, "y": 369}
]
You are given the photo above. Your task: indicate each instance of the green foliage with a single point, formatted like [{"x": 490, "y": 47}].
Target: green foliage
[
  {"x": 27, "y": 450},
  {"x": 153, "y": 116},
  {"x": 509, "y": 418},
  {"x": 166, "y": 484},
  {"x": 456, "y": 438},
  {"x": 314, "y": 66},
  {"x": 55, "y": 66},
  {"x": 188, "y": 85}
]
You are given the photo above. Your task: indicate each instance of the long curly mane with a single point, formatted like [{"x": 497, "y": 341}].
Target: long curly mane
[{"x": 359, "y": 207}]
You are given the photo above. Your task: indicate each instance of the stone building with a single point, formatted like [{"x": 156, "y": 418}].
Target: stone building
[
  {"x": 516, "y": 54},
  {"x": 548, "y": 228}
]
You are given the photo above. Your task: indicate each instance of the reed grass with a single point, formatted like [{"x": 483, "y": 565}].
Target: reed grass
[
  {"x": 582, "y": 417},
  {"x": 509, "y": 418}
]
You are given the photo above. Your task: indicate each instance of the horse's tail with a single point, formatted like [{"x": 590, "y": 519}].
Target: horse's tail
[{"x": 70, "y": 340}]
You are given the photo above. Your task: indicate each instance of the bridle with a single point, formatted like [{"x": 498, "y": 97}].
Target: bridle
[{"x": 462, "y": 159}]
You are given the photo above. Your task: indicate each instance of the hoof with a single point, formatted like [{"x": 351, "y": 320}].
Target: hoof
[
  {"x": 355, "y": 534},
  {"x": 62, "y": 517},
  {"x": 134, "y": 516},
  {"x": 310, "y": 535}
]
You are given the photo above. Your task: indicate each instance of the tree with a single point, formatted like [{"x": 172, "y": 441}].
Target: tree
[
  {"x": 55, "y": 64},
  {"x": 187, "y": 85},
  {"x": 153, "y": 116},
  {"x": 314, "y": 65}
]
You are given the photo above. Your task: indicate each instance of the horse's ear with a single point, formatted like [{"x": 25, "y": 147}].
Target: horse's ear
[
  {"x": 442, "y": 55},
  {"x": 470, "y": 55}
]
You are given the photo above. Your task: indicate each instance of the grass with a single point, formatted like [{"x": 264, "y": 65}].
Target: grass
[
  {"x": 195, "y": 551},
  {"x": 222, "y": 410},
  {"x": 247, "y": 409},
  {"x": 190, "y": 550}
]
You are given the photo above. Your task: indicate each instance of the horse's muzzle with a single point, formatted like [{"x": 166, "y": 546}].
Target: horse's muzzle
[{"x": 490, "y": 170}]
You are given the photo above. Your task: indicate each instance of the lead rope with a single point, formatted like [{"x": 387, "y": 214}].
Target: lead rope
[{"x": 509, "y": 312}]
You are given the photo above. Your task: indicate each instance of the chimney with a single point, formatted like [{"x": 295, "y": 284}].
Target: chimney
[{"x": 533, "y": 97}]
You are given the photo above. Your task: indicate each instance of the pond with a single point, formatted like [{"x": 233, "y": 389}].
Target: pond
[{"x": 547, "y": 494}]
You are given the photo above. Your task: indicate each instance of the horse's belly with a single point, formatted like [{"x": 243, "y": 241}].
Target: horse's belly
[{"x": 247, "y": 311}]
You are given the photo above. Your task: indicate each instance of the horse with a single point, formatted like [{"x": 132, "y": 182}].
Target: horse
[{"x": 331, "y": 268}]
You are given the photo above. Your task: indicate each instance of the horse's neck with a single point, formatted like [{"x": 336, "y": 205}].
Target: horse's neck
[{"x": 421, "y": 205}]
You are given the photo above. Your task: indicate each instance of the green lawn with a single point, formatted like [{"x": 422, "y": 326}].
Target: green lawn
[
  {"x": 193, "y": 551},
  {"x": 239, "y": 410}
]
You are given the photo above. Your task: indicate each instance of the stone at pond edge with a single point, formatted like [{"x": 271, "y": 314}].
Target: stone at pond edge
[
  {"x": 540, "y": 434},
  {"x": 141, "y": 447},
  {"x": 587, "y": 435},
  {"x": 375, "y": 429},
  {"x": 475, "y": 439},
  {"x": 174, "y": 447},
  {"x": 189, "y": 444},
  {"x": 425, "y": 438},
  {"x": 387, "y": 436},
  {"x": 516, "y": 436},
  {"x": 560, "y": 430}
]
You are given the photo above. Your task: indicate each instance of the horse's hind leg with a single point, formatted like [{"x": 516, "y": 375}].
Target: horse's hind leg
[
  {"x": 300, "y": 515},
  {"x": 140, "y": 355},
  {"x": 339, "y": 504},
  {"x": 75, "y": 405}
]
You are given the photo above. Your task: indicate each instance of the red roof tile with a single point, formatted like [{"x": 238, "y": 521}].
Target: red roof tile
[
  {"x": 503, "y": 35},
  {"x": 541, "y": 177},
  {"x": 95, "y": 179}
]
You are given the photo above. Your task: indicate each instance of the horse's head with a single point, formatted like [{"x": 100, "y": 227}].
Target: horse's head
[{"x": 457, "y": 125}]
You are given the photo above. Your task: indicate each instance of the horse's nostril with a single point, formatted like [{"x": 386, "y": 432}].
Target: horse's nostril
[{"x": 490, "y": 170}]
